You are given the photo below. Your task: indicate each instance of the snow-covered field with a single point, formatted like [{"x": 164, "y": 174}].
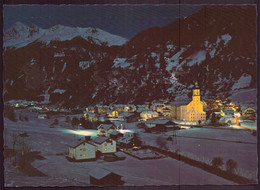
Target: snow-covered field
[{"x": 166, "y": 171}]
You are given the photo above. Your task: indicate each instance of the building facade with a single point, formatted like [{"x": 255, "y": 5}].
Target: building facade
[
  {"x": 82, "y": 151},
  {"x": 193, "y": 111},
  {"x": 104, "y": 144}
]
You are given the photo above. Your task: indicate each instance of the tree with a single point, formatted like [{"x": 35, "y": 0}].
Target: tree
[
  {"x": 68, "y": 120},
  {"x": 217, "y": 162},
  {"x": 74, "y": 121},
  {"x": 231, "y": 165},
  {"x": 20, "y": 117},
  {"x": 26, "y": 118},
  {"x": 14, "y": 142},
  {"x": 56, "y": 121},
  {"x": 9, "y": 113},
  {"x": 136, "y": 139}
]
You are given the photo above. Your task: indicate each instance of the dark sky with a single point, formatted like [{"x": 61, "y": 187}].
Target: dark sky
[{"x": 122, "y": 20}]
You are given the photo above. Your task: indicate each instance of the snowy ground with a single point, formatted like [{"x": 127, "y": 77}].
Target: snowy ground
[
  {"x": 166, "y": 171},
  {"x": 204, "y": 144}
]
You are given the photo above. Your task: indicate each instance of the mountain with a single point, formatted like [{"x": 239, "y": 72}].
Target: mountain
[
  {"x": 83, "y": 67},
  {"x": 20, "y": 35}
]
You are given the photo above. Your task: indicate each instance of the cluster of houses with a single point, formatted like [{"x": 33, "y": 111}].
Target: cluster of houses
[
  {"x": 109, "y": 138},
  {"x": 190, "y": 110}
]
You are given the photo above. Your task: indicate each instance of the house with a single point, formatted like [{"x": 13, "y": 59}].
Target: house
[
  {"x": 228, "y": 112},
  {"x": 158, "y": 107},
  {"x": 98, "y": 109},
  {"x": 106, "y": 129},
  {"x": 90, "y": 116},
  {"x": 128, "y": 117},
  {"x": 82, "y": 151},
  {"x": 166, "y": 112},
  {"x": 100, "y": 176},
  {"x": 249, "y": 113},
  {"x": 104, "y": 144},
  {"x": 125, "y": 142},
  {"x": 133, "y": 117},
  {"x": 148, "y": 114},
  {"x": 112, "y": 114},
  {"x": 159, "y": 125},
  {"x": 115, "y": 134},
  {"x": 118, "y": 107},
  {"x": 192, "y": 111},
  {"x": 90, "y": 109}
]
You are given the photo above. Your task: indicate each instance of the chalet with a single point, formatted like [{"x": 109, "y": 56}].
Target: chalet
[
  {"x": 106, "y": 129},
  {"x": 148, "y": 114},
  {"x": 104, "y": 144},
  {"x": 99, "y": 176},
  {"x": 82, "y": 151},
  {"x": 248, "y": 113},
  {"x": 125, "y": 142}
]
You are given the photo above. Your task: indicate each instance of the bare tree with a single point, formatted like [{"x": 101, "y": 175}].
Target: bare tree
[{"x": 14, "y": 142}]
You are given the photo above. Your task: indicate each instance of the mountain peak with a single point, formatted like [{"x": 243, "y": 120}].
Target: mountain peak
[{"x": 20, "y": 35}]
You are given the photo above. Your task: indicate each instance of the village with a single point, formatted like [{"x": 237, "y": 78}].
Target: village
[{"x": 153, "y": 131}]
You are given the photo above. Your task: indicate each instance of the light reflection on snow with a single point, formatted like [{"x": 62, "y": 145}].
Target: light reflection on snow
[
  {"x": 88, "y": 132},
  {"x": 125, "y": 131},
  {"x": 91, "y": 132}
]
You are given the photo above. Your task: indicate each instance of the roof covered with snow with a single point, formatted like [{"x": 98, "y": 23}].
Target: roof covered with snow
[
  {"x": 99, "y": 173},
  {"x": 99, "y": 140},
  {"x": 106, "y": 126}
]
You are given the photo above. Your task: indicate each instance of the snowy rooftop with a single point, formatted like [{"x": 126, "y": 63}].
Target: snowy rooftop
[
  {"x": 179, "y": 103},
  {"x": 124, "y": 140},
  {"x": 149, "y": 112},
  {"x": 125, "y": 114},
  {"x": 105, "y": 126},
  {"x": 160, "y": 121},
  {"x": 99, "y": 140},
  {"x": 75, "y": 146},
  {"x": 114, "y": 133},
  {"x": 99, "y": 173}
]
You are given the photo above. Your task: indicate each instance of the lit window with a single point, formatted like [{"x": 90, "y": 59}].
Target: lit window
[
  {"x": 84, "y": 155},
  {"x": 105, "y": 149},
  {"x": 112, "y": 149}
]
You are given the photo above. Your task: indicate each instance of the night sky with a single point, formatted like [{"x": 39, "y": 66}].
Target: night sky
[{"x": 122, "y": 20}]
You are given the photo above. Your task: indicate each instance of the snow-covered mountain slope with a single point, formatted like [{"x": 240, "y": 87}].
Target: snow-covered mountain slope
[
  {"x": 20, "y": 35},
  {"x": 211, "y": 46}
]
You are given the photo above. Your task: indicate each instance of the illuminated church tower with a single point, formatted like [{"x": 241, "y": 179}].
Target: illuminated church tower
[
  {"x": 192, "y": 111},
  {"x": 195, "y": 107}
]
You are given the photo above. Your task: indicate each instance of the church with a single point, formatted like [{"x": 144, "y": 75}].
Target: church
[{"x": 192, "y": 111}]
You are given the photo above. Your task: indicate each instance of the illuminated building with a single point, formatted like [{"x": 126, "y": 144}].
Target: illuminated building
[{"x": 192, "y": 111}]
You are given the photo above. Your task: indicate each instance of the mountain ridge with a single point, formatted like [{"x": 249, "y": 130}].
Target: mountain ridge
[{"x": 158, "y": 63}]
